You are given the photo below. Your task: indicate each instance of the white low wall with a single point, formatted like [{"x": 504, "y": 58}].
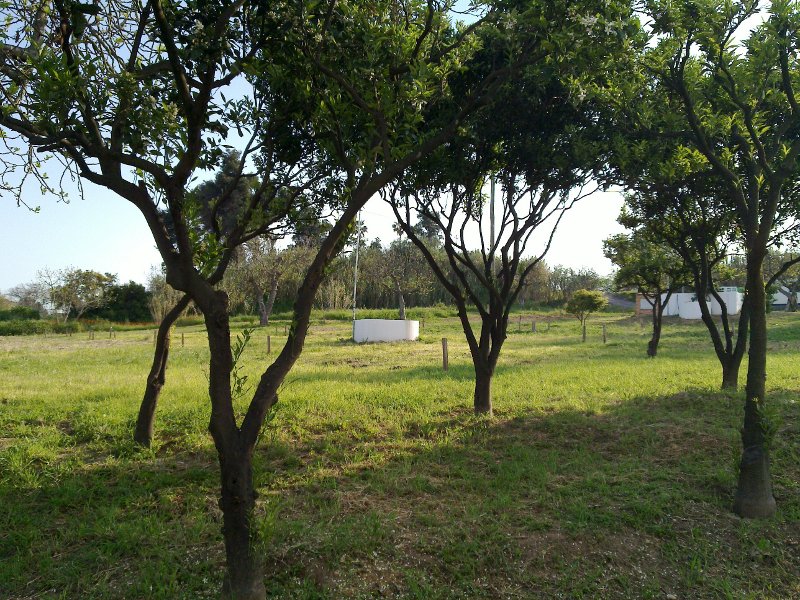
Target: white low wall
[{"x": 384, "y": 330}]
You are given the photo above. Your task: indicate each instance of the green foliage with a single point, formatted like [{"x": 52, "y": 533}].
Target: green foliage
[
  {"x": 642, "y": 263},
  {"x": 19, "y": 313},
  {"x": 585, "y": 302},
  {"x": 37, "y": 326},
  {"x": 128, "y": 302},
  {"x": 238, "y": 379}
]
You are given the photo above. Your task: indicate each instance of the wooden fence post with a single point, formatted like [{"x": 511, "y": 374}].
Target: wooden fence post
[
  {"x": 604, "y": 333},
  {"x": 154, "y": 337},
  {"x": 445, "y": 362},
  {"x": 584, "y": 331},
  {"x": 519, "y": 324},
  {"x": 183, "y": 340},
  {"x": 533, "y": 326},
  {"x": 269, "y": 345}
]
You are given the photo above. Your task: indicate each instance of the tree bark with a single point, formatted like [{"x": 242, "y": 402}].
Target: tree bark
[
  {"x": 263, "y": 317},
  {"x": 244, "y": 578},
  {"x": 730, "y": 373},
  {"x": 273, "y": 293},
  {"x": 754, "y": 497},
  {"x": 143, "y": 434},
  {"x": 791, "y": 300},
  {"x": 658, "y": 312},
  {"x": 401, "y": 302},
  {"x": 483, "y": 392}
]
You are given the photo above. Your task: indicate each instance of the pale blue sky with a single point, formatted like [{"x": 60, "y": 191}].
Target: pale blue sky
[{"x": 104, "y": 233}]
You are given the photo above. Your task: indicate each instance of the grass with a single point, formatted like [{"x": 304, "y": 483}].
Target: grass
[{"x": 602, "y": 473}]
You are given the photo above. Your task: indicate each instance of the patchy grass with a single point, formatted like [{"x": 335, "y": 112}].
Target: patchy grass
[{"x": 602, "y": 473}]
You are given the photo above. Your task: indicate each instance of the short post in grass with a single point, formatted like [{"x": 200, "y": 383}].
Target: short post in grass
[
  {"x": 533, "y": 326},
  {"x": 604, "y": 333},
  {"x": 445, "y": 362},
  {"x": 284, "y": 329},
  {"x": 183, "y": 340},
  {"x": 519, "y": 324},
  {"x": 269, "y": 345},
  {"x": 154, "y": 337},
  {"x": 584, "y": 331}
]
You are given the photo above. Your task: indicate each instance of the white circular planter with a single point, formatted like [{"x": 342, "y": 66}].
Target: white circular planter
[{"x": 385, "y": 330}]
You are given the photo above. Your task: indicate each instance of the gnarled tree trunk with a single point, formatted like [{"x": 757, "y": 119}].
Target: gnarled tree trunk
[{"x": 143, "y": 434}]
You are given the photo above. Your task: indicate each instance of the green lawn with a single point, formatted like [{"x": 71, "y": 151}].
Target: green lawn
[{"x": 602, "y": 474}]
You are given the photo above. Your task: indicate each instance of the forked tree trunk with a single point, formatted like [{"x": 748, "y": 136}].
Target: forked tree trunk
[
  {"x": 143, "y": 434},
  {"x": 754, "y": 497}
]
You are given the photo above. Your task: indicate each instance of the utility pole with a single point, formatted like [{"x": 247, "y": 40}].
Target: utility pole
[{"x": 491, "y": 219}]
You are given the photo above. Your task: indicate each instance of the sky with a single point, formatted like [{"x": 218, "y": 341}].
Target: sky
[{"x": 104, "y": 233}]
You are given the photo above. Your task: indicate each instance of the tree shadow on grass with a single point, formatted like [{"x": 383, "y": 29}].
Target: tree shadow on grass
[
  {"x": 629, "y": 503},
  {"x": 535, "y": 502}
]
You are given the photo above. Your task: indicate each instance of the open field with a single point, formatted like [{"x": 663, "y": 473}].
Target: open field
[{"x": 602, "y": 473}]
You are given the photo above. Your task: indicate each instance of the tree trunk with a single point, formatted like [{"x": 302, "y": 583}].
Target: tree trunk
[
  {"x": 263, "y": 317},
  {"x": 483, "y": 392},
  {"x": 754, "y": 497},
  {"x": 730, "y": 374},
  {"x": 143, "y": 434},
  {"x": 791, "y": 300},
  {"x": 244, "y": 578},
  {"x": 401, "y": 302},
  {"x": 652, "y": 345},
  {"x": 273, "y": 293}
]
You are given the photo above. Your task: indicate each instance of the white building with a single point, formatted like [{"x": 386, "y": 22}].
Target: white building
[{"x": 686, "y": 306}]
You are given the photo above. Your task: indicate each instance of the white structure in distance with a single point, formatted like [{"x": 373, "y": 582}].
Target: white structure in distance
[
  {"x": 385, "y": 330},
  {"x": 686, "y": 306}
]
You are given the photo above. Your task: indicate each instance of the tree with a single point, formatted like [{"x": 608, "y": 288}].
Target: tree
[
  {"x": 162, "y": 295},
  {"x": 72, "y": 292},
  {"x": 787, "y": 279},
  {"x": 583, "y": 303},
  {"x": 565, "y": 281},
  {"x": 536, "y": 144},
  {"x": 736, "y": 110},
  {"x": 396, "y": 271},
  {"x": 679, "y": 209},
  {"x": 333, "y": 115},
  {"x": 127, "y": 302},
  {"x": 31, "y": 295},
  {"x": 653, "y": 269}
]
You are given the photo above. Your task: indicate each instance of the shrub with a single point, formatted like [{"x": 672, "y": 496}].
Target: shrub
[
  {"x": 38, "y": 326},
  {"x": 19, "y": 313}
]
